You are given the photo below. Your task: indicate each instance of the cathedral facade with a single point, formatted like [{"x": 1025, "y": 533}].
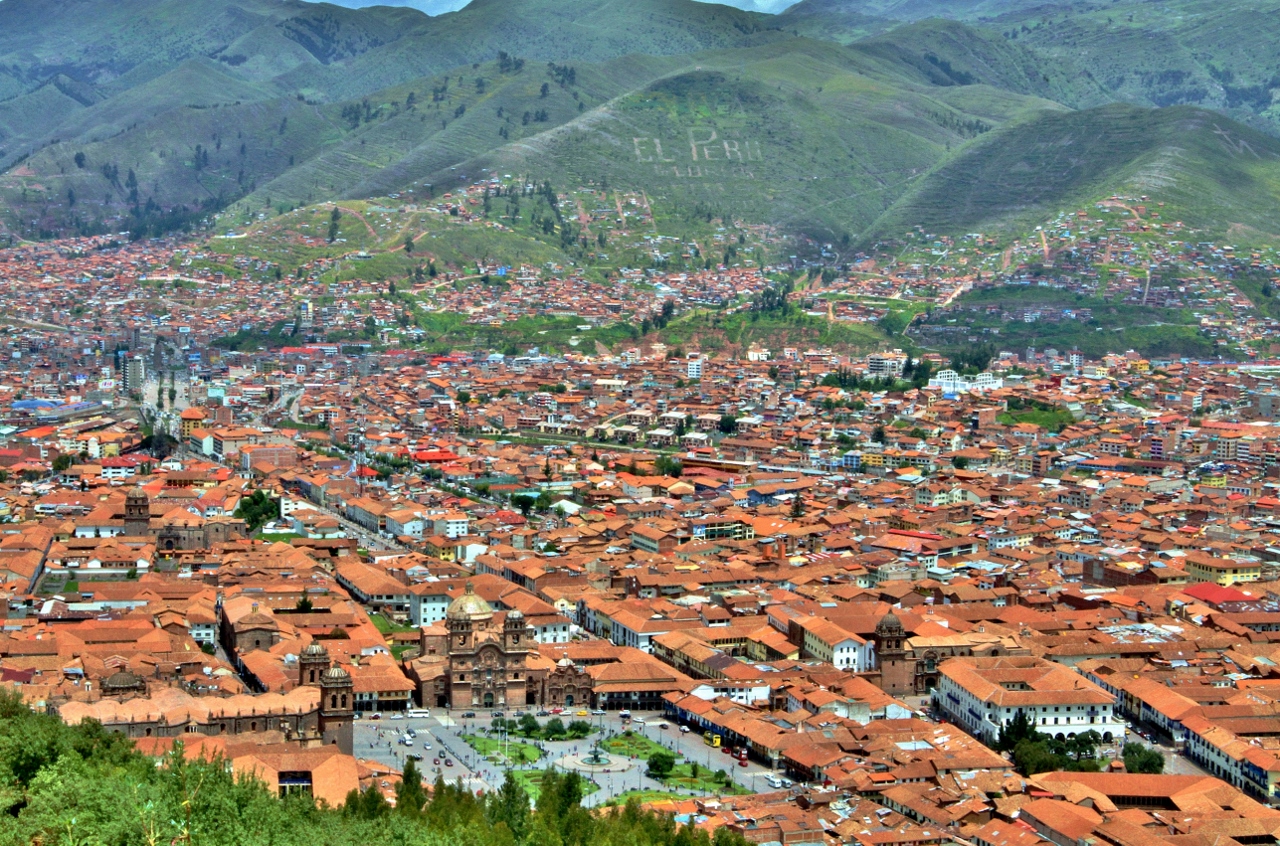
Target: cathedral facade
[{"x": 479, "y": 660}]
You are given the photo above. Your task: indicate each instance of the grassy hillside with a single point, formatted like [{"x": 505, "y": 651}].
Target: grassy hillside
[
  {"x": 831, "y": 20},
  {"x": 834, "y": 118},
  {"x": 1113, "y": 327},
  {"x": 1223, "y": 56},
  {"x": 800, "y": 134},
  {"x": 1209, "y": 171},
  {"x": 949, "y": 53}
]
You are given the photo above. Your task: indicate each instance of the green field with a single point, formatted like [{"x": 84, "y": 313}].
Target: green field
[
  {"x": 500, "y": 752},
  {"x": 632, "y": 745},
  {"x": 388, "y": 626},
  {"x": 645, "y": 796},
  {"x": 705, "y": 780}
]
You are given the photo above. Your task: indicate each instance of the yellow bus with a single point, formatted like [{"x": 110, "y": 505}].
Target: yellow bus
[{"x": 712, "y": 740}]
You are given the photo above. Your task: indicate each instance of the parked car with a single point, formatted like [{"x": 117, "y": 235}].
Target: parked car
[
  {"x": 375, "y": 716},
  {"x": 544, "y": 713},
  {"x": 435, "y": 761},
  {"x": 599, "y": 712},
  {"x": 426, "y": 746},
  {"x": 468, "y": 715},
  {"x": 448, "y": 762},
  {"x": 684, "y": 729},
  {"x": 581, "y": 714},
  {"x": 397, "y": 716}
]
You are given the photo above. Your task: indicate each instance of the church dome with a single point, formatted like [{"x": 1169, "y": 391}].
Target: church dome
[
  {"x": 515, "y": 614},
  {"x": 889, "y": 623},
  {"x": 469, "y": 607},
  {"x": 136, "y": 493},
  {"x": 335, "y": 676},
  {"x": 315, "y": 650},
  {"x": 120, "y": 680}
]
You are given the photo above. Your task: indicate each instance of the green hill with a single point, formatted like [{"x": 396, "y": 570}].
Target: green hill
[
  {"x": 832, "y": 118},
  {"x": 1223, "y": 56},
  {"x": 1208, "y": 170},
  {"x": 945, "y": 53},
  {"x": 801, "y": 134}
]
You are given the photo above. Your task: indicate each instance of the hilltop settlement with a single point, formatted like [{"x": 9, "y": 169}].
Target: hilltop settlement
[{"x": 807, "y": 593}]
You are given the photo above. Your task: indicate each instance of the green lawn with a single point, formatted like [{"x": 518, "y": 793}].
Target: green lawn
[
  {"x": 705, "y": 781},
  {"x": 1053, "y": 421},
  {"x": 531, "y": 780},
  {"x": 499, "y": 752},
  {"x": 644, "y": 796},
  {"x": 630, "y": 743},
  {"x": 388, "y": 626}
]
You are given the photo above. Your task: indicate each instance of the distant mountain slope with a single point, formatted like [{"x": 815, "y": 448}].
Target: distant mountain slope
[
  {"x": 427, "y": 7},
  {"x": 1223, "y": 56},
  {"x": 943, "y": 52},
  {"x": 801, "y": 134},
  {"x": 1208, "y": 171},
  {"x": 914, "y": 10}
]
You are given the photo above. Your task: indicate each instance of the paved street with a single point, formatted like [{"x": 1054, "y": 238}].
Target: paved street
[{"x": 379, "y": 740}]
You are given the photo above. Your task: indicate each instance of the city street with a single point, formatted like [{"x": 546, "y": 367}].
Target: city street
[{"x": 379, "y": 740}]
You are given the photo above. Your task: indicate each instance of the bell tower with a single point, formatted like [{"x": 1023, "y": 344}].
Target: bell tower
[
  {"x": 137, "y": 513},
  {"x": 337, "y": 708},
  {"x": 896, "y": 672},
  {"x": 312, "y": 663}
]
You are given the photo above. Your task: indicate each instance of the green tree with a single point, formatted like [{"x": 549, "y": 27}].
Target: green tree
[
  {"x": 728, "y": 424},
  {"x": 509, "y": 805},
  {"x": 1140, "y": 759},
  {"x": 334, "y": 217},
  {"x": 258, "y": 509},
  {"x": 661, "y": 763},
  {"x": 1016, "y": 729},
  {"x": 553, "y": 729},
  {"x": 62, "y": 462},
  {"x": 410, "y": 797}
]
